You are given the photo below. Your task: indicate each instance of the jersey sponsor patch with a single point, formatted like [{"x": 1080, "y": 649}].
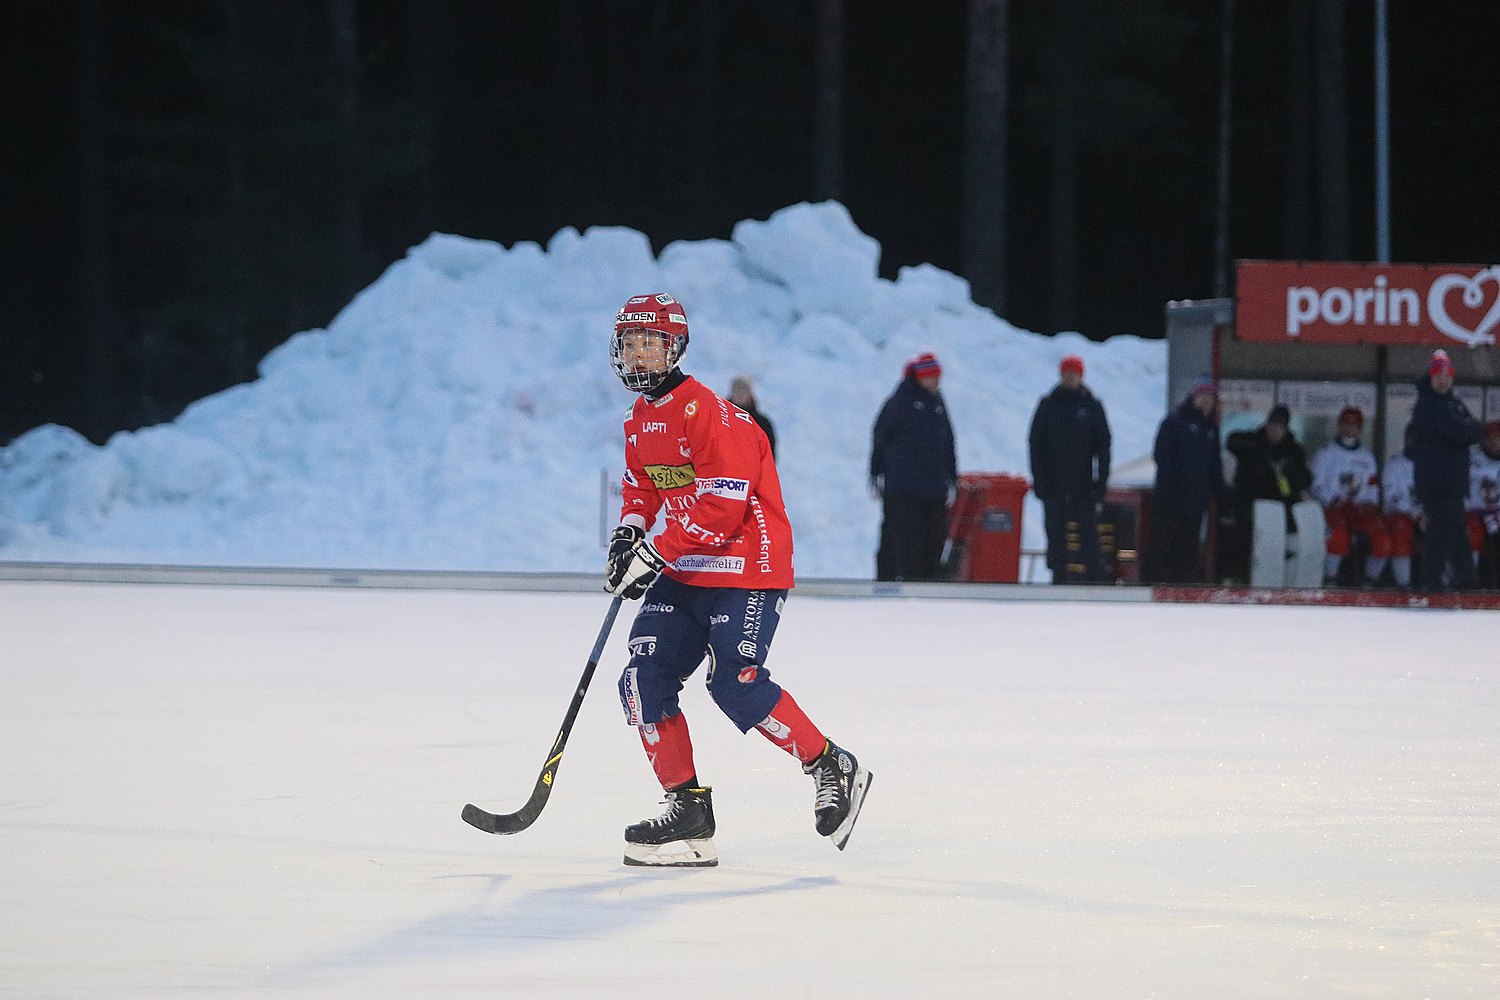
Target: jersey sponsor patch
[
  {"x": 670, "y": 477},
  {"x": 720, "y": 486},
  {"x": 710, "y": 564}
]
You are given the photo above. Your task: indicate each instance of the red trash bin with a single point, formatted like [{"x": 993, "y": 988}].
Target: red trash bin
[{"x": 984, "y": 528}]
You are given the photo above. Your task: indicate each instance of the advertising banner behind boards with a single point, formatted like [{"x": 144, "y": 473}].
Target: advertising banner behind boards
[{"x": 1349, "y": 303}]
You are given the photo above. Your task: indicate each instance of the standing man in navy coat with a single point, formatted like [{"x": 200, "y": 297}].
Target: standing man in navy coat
[
  {"x": 1189, "y": 474},
  {"x": 913, "y": 470},
  {"x": 1442, "y": 432},
  {"x": 1069, "y": 443}
]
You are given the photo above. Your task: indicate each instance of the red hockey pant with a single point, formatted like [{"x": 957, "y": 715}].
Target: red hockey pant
[
  {"x": 1402, "y": 529},
  {"x": 1346, "y": 520}
]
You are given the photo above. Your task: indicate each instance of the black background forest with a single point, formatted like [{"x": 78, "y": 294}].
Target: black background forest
[{"x": 189, "y": 183}]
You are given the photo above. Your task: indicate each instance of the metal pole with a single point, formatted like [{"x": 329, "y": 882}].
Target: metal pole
[
  {"x": 1382, "y": 137},
  {"x": 1221, "y": 213},
  {"x": 1382, "y": 202}
]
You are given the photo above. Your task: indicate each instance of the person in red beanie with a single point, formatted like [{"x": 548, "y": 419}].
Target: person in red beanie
[
  {"x": 1443, "y": 429},
  {"x": 1346, "y": 482},
  {"x": 913, "y": 471},
  {"x": 1069, "y": 446}
]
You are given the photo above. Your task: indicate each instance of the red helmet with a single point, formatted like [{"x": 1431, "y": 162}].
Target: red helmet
[{"x": 657, "y": 313}]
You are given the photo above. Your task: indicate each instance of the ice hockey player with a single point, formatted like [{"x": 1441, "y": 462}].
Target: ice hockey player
[
  {"x": 714, "y": 582},
  {"x": 1344, "y": 482},
  {"x": 1403, "y": 515},
  {"x": 1483, "y": 508}
]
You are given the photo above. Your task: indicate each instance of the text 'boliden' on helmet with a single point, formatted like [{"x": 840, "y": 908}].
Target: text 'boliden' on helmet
[{"x": 656, "y": 321}]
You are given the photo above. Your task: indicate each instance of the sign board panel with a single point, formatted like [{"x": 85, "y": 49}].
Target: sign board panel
[{"x": 1349, "y": 303}]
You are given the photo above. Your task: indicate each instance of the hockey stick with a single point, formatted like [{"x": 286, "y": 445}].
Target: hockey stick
[{"x": 522, "y": 818}]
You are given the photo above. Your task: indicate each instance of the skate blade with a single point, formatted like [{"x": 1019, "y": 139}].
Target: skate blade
[
  {"x": 697, "y": 853},
  {"x": 862, "y": 781}
]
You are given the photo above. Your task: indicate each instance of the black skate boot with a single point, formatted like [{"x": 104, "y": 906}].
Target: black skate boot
[
  {"x": 689, "y": 819},
  {"x": 841, "y": 785}
]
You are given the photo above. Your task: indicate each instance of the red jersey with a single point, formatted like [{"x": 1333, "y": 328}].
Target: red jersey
[{"x": 708, "y": 464}]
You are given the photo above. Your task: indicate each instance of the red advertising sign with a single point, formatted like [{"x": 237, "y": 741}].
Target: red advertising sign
[{"x": 1338, "y": 303}]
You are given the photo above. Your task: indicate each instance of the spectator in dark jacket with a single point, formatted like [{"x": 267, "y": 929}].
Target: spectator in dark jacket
[
  {"x": 742, "y": 394},
  {"x": 913, "y": 470},
  {"x": 1189, "y": 474},
  {"x": 1069, "y": 444},
  {"x": 1442, "y": 431},
  {"x": 1269, "y": 465}
]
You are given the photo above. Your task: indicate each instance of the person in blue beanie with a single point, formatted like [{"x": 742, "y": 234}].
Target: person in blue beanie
[{"x": 1189, "y": 475}]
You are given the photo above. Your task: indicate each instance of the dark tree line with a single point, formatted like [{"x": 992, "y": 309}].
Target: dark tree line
[{"x": 194, "y": 180}]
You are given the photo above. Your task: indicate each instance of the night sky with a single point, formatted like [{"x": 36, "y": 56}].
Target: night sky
[{"x": 509, "y": 120}]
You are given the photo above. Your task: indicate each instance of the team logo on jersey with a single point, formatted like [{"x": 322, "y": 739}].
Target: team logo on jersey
[
  {"x": 670, "y": 477},
  {"x": 719, "y": 486},
  {"x": 691, "y": 409}
]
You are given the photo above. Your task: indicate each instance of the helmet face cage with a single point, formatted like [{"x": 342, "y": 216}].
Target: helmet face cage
[{"x": 671, "y": 346}]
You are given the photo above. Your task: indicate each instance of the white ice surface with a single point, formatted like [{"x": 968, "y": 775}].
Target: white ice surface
[{"x": 255, "y": 792}]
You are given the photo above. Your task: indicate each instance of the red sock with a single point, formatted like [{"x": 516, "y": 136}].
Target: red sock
[
  {"x": 790, "y": 729},
  {"x": 670, "y": 750}
]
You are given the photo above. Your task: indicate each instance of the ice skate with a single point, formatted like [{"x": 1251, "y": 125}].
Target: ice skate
[
  {"x": 841, "y": 785},
  {"x": 681, "y": 837}
]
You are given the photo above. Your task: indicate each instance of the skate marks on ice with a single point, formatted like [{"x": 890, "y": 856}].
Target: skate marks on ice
[{"x": 512, "y": 917}]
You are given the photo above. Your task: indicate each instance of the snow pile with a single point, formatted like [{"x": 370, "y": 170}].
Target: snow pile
[{"x": 460, "y": 413}]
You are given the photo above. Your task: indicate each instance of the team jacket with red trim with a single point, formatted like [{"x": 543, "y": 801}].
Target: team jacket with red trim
[{"x": 706, "y": 464}]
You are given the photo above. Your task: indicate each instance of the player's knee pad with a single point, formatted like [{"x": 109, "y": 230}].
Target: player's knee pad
[
  {"x": 646, "y": 695},
  {"x": 743, "y": 691}
]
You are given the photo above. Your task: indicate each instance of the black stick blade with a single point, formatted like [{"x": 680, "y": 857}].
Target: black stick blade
[{"x": 502, "y": 824}]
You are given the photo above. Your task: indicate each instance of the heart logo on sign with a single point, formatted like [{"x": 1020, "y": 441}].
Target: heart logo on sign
[{"x": 1473, "y": 298}]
